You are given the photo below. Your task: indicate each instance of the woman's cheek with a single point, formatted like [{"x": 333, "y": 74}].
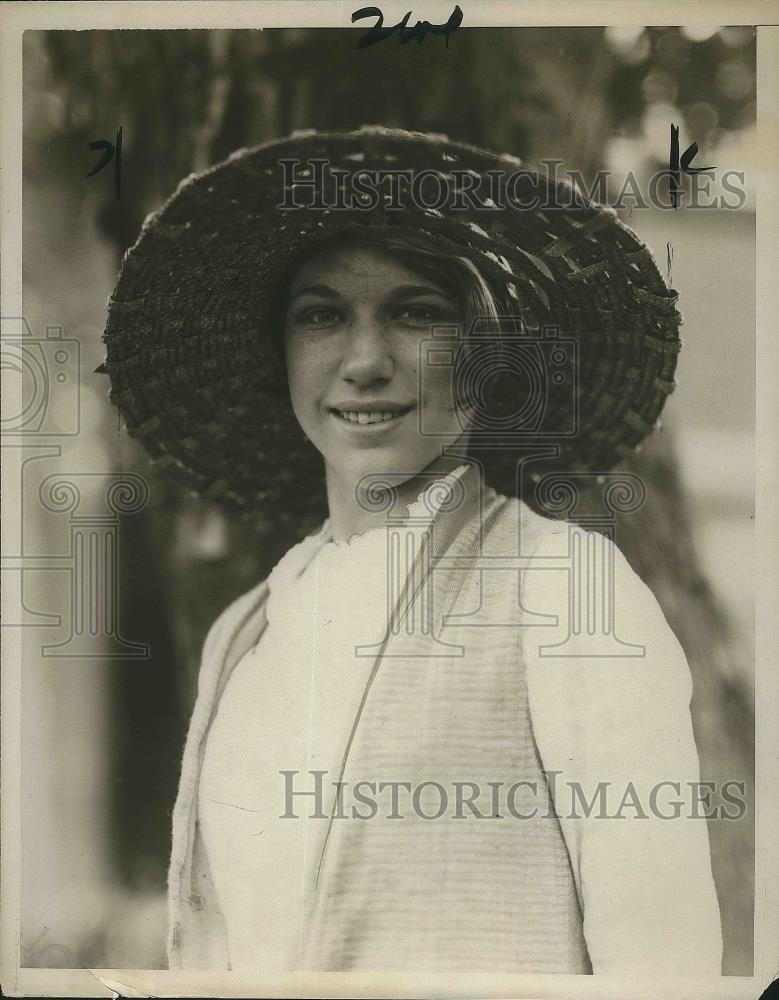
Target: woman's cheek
[{"x": 303, "y": 398}]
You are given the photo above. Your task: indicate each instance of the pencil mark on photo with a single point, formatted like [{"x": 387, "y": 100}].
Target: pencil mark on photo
[
  {"x": 421, "y": 29},
  {"x": 677, "y": 165},
  {"x": 111, "y": 151}
]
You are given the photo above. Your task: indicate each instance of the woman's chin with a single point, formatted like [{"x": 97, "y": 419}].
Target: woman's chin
[{"x": 393, "y": 465}]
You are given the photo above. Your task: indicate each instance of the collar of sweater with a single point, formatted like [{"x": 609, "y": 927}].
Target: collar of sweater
[{"x": 445, "y": 493}]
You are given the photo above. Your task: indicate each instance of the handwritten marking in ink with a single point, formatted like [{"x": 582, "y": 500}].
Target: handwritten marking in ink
[
  {"x": 378, "y": 33},
  {"x": 111, "y": 151},
  {"x": 678, "y": 165}
]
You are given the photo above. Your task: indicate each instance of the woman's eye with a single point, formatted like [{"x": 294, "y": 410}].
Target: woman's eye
[
  {"x": 318, "y": 316},
  {"x": 419, "y": 315}
]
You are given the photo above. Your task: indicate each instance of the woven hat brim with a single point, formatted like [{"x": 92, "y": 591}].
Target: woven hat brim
[{"x": 190, "y": 350}]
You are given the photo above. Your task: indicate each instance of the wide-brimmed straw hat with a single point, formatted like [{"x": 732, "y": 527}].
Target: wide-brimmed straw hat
[{"x": 192, "y": 351}]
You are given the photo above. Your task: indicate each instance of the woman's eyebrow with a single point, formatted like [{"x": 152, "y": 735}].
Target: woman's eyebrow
[
  {"x": 404, "y": 291},
  {"x": 324, "y": 290},
  {"x": 399, "y": 292}
]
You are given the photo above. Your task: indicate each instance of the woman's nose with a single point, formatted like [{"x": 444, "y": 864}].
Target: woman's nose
[{"x": 367, "y": 356}]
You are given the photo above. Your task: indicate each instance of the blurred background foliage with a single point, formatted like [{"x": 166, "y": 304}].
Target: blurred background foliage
[{"x": 590, "y": 97}]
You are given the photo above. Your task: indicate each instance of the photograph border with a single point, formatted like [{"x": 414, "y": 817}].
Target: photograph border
[{"x": 15, "y": 17}]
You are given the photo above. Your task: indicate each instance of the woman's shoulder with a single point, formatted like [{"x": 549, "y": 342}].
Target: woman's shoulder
[
  {"x": 525, "y": 532},
  {"x": 246, "y": 603},
  {"x": 601, "y": 633},
  {"x": 521, "y": 530},
  {"x": 297, "y": 557},
  {"x": 599, "y": 617}
]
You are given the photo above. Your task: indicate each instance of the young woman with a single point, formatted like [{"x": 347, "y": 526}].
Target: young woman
[{"x": 446, "y": 733}]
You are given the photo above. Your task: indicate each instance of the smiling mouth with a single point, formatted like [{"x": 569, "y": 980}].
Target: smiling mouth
[{"x": 364, "y": 417}]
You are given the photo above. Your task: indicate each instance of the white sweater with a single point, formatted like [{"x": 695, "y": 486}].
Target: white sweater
[
  {"x": 324, "y": 599},
  {"x": 608, "y": 692}
]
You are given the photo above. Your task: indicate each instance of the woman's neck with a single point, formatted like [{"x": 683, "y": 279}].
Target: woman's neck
[{"x": 353, "y": 512}]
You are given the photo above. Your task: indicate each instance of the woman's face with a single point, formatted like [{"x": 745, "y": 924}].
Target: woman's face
[{"x": 354, "y": 326}]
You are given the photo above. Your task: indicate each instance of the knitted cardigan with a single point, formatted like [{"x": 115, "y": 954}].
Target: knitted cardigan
[{"x": 513, "y": 666}]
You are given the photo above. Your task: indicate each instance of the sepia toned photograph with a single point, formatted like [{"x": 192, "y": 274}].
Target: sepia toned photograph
[{"x": 385, "y": 609}]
